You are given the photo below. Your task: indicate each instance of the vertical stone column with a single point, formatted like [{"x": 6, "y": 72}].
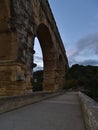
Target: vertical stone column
[
  {"x": 8, "y": 53},
  {"x": 61, "y": 78},
  {"x": 29, "y": 62},
  {"x": 49, "y": 83},
  {"x": 60, "y": 72},
  {"x": 16, "y": 51}
]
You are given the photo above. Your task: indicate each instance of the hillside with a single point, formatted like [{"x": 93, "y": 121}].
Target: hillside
[{"x": 85, "y": 78}]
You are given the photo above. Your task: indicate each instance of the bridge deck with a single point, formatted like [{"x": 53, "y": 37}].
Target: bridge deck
[{"x": 60, "y": 113}]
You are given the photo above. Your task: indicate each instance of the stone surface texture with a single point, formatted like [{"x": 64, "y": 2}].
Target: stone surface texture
[
  {"x": 10, "y": 103},
  {"x": 90, "y": 111},
  {"x": 62, "y": 112},
  {"x": 21, "y": 21}
]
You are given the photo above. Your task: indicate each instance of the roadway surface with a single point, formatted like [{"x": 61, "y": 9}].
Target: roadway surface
[{"x": 60, "y": 113}]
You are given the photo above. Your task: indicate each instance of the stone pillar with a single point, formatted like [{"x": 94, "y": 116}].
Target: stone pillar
[
  {"x": 61, "y": 78},
  {"x": 15, "y": 50},
  {"x": 12, "y": 79},
  {"x": 60, "y": 69},
  {"x": 29, "y": 62},
  {"x": 49, "y": 83},
  {"x": 8, "y": 55}
]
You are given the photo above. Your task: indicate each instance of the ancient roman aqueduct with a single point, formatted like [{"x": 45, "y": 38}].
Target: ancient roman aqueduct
[{"x": 21, "y": 21}]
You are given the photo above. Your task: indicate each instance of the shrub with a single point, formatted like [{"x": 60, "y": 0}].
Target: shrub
[{"x": 70, "y": 84}]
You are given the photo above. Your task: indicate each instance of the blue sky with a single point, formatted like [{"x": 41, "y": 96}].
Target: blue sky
[{"x": 77, "y": 21}]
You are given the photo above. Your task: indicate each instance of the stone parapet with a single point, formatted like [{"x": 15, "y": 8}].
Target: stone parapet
[
  {"x": 13, "y": 102},
  {"x": 90, "y": 111}
]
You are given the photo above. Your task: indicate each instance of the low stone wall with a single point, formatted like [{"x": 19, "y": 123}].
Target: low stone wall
[
  {"x": 14, "y": 102},
  {"x": 90, "y": 111}
]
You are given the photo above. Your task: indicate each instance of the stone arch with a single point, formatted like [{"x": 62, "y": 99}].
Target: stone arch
[
  {"x": 38, "y": 56},
  {"x": 19, "y": 23},
  {"x": 48, "y": 52},
  {"x": 61, "y": 71}
]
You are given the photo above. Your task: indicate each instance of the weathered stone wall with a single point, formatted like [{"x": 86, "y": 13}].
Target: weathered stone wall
[
  {"x": 20, "y": 22},
  {"x": 9, "y": 83},
  {"x": 90, "y": 111}
]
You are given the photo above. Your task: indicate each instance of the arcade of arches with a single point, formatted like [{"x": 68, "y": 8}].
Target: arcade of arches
[{"x": 21, "y": 22}]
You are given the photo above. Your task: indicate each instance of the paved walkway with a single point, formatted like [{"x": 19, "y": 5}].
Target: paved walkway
[{"x": 60, "y": 113}]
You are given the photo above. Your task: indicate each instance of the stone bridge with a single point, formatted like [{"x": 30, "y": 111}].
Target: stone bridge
[{"x": 21, "y": 21}]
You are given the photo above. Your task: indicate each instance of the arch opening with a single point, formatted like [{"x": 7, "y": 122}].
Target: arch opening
[
  {"x": 47, "y": 47},
  {"x": 38, "y": 70},
  {"x": 38, "y": 56},
  {"x": 19, "y": 25}
]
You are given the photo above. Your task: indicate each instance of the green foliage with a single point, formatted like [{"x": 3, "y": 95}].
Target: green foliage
[
  {"x": 80, "y": 77},
  {"x": 86, "y": 77},
  {"x": 70, "y": 84}
]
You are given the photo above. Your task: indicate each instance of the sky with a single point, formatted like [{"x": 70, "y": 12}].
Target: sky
[{"x": 77, "y": 22}]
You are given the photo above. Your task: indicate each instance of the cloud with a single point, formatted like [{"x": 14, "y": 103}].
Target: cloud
[
  {"x": 38, "y": 58},
  {"x": 86, "y": 48},
  {"x": 71, "y": 52},
  {"x": 85, "y": 52},
  {"x": 72, "y": 61},
  {"x": 88, "y": 44},
  {"x": 89, "y": 62},
  {"x": 38, "y": 68},
  {"x": 39, "y": 61}
]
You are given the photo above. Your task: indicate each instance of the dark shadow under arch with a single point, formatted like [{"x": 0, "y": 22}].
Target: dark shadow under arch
[{"x": 47, "y": 47}]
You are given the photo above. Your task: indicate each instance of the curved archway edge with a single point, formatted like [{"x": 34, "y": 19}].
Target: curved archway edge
[{"x": 20, "y": 22}]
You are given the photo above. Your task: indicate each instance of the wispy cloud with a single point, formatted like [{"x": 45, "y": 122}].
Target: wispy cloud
[
  {"x": 85, "y": 52},
  {"x": 85, "y": 48},
  {"x": 38, "y": 68},
  {"x": 89, "y": 62},
  {"x": 88, "y": 44},
  {"x": 37, "y": 58},
  {"x": 71, "y": 52}
]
